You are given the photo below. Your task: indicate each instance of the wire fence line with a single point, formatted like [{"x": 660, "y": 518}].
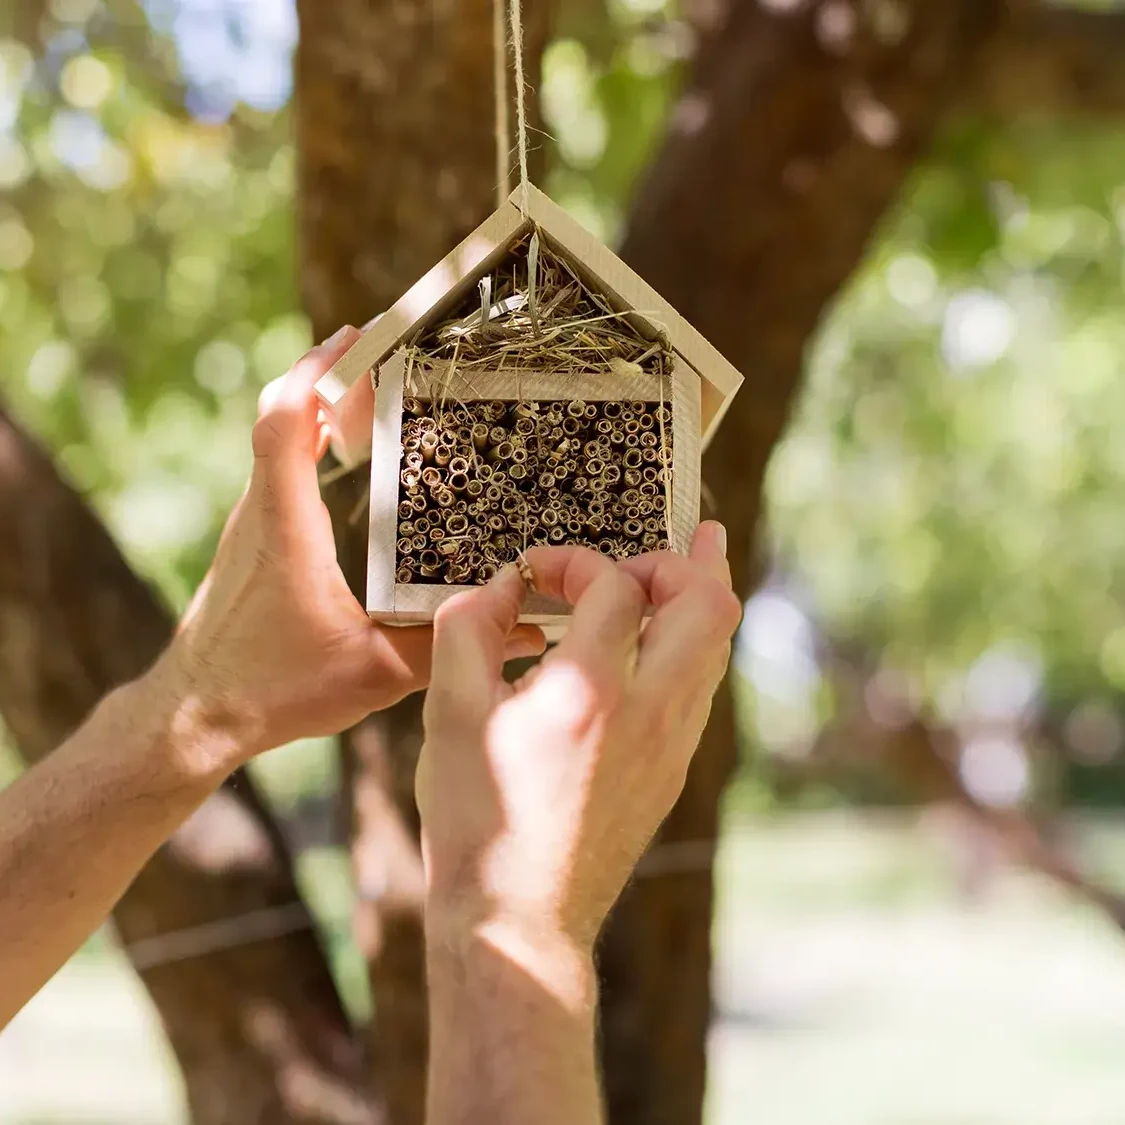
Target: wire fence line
[{"x": 675, "y": 858}]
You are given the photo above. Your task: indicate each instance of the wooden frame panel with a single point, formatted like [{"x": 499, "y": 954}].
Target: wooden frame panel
[
  {"x": 627, "y": 289},
  {"x": 344, "y": 393},
  {"x": 395, "y": 604}
]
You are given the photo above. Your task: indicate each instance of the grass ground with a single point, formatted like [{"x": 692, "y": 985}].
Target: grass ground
[{"x": 854, "y": 987}]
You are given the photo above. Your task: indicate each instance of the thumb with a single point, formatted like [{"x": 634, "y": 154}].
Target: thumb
[{"x": 287, "y": 435}]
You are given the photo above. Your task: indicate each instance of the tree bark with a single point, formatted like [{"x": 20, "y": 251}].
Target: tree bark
[{"x": 258, "y": 1028}]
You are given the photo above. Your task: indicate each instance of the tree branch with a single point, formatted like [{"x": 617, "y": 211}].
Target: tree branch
[{"x": 1054, "y": 61}]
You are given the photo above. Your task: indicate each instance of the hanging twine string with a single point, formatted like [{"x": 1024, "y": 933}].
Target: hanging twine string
[
  {"x": 521, "y": 101},
  {"x": 503, "y": 105}
]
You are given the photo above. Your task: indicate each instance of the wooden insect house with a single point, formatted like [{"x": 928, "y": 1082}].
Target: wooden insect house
[{"x": 531, "y": 389}]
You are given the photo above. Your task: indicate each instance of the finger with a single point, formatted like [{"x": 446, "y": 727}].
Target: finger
[
  {"x": 287, "y": 435},
  {"x": 470, "y": 642},
  {"x": 686, "y": 647},
  {"x": 609, "y": 607},
  {"x": 404, "y": 657},
  {"x": 664, "y": 574}
]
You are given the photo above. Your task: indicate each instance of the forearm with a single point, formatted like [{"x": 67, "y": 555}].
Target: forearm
[
  {"x": 512, "y": 1016},
  {"x": 76, "y": 830}
]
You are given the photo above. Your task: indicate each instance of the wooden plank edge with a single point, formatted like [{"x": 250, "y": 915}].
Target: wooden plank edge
[{"x": 630, "y": 289}]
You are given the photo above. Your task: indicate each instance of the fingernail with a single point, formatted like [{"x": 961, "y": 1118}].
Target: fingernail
[
  {"x": 719, "y": 532},
  {"x": 337, "y": 337},
  {"x": 372, "y": 322}
]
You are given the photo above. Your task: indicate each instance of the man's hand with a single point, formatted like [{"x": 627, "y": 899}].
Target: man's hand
[
  {"x": 538, "y": 800},
  {"x": 275, "y": 647}
]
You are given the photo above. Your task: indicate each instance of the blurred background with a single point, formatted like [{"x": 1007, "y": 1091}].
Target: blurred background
[{"x": 905, "y": 221}]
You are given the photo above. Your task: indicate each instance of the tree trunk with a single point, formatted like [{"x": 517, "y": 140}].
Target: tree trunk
[
  {"x": 798, "y": 129},
  {"x": 258, "y": 1028}
]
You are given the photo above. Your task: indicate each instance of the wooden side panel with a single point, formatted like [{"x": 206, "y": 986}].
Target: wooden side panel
[
  {"x": 629, "y": 290},
  {"x": 416, "y": 605},
  {"x": 386, "y": 462},
  {"x": 683, "y": 518},
  {"x": 514, "y": 385}
]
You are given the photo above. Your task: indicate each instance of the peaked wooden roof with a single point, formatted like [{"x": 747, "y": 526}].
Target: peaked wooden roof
[{"x": 447, "y": 284}]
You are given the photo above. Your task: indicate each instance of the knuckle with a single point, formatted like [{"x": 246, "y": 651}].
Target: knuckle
[
  {"x": 269, "y": 434},
  {"x": 721, "y": 607}
]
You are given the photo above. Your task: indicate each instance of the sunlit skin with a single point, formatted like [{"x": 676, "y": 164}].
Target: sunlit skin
[{"x": 528, "y": 836}]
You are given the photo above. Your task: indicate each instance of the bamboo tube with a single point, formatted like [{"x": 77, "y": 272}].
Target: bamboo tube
[
  {"x": 448, "y": 548},
  {"x": 649, "y": 440},
  {"x": 519, "y": 455},
  {"x": 421, "y": 542},
  {"x": 443, "y": 456},
  {"x": 612, "y": 475},
  {"x": 459, "y": 465},
  {"x": 576, "y": 409},
  {"x": 574, "y": 527},
  {"x": 429, "y": 445},
  {"x": 437, "y": 534},
  {"x": 405, "y": 545},
  {"x": 554, "y": 494},
  {"x": 419, "y": 503},
  {"x": 411, "y": 479},
  {"x": 444, "y": 498},
  {"x": 571, "y": 427},
  {"x": 479, "y": 434},
  {"x": 502, "y": 452},
  {"x": 649, "y": 541},
  {"x": 474, "y": 490},
  {"x": 591, "y": 411},
  {"x": 654, "y": 525},
  {"x": 650, "y": 474},
  {"x": 525, "y": 426},
  {"x": 497, "y": 523},
  {"x": 457, "y": 524},
  {"x": 649, "y": 488},
  {"x": 632, "y": 441},
  {"x": 421, "y": 525},
  {"x": 526, "y": 412},
  {"x": 659, "y": 503},
  {"x": 541, "y": 535},
  {"x": 556, "y": 535},
  {"x": 632, "y": 459},
  {"x": 458, "y": 482},
  {"x": 411, "y": 444},
  {"x": 517, "y": 472},
  {"x": 432, "y": 478},
  {"x": 488, "y": 572},
  {"x": 406, "y": 510},
  {"x": 411, "y": 406},
  {"x": 607, "y": 546},
  {"x": 494, "y": 493},
  {"x": 612, "y": 410},
  {"x": 595, "y": 468}
]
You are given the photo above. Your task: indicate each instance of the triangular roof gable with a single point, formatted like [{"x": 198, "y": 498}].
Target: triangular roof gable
[{"x": 452, "y": 279}]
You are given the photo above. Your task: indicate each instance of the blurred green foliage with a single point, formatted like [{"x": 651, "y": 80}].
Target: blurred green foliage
[{"x": 952, "y": 484}]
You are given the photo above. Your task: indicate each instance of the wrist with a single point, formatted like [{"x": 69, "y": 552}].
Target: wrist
[
  {"x": 469, "y": 934},
  {"x": 204, "y": 741}
]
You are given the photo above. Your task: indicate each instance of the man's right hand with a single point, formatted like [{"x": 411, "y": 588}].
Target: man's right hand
[{"x": 538, "y": 800}]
